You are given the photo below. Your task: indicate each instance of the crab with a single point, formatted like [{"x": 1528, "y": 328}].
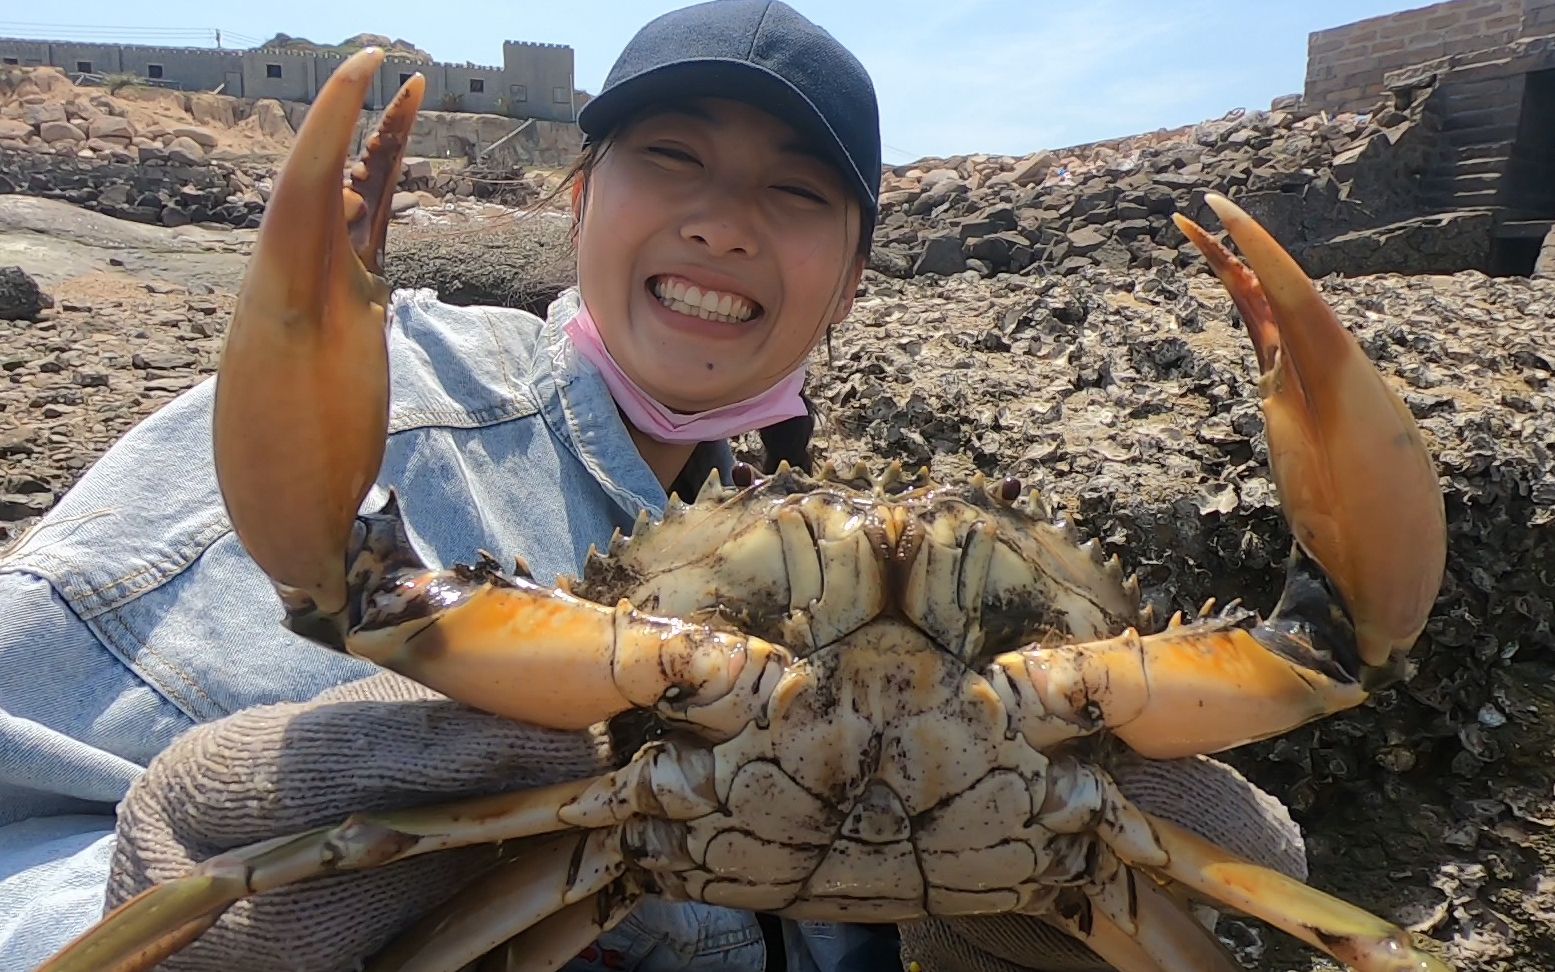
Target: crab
[{"x": 850, "y": 698}]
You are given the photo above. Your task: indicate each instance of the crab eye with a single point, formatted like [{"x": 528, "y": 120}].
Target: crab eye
[{"x": 1009, "y": 490}]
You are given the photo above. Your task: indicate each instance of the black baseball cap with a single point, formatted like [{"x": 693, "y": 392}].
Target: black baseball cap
[{"x": 761, "y": 52}]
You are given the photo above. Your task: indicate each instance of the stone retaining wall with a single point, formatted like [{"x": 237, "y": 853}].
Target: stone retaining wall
[{"x": 1308, "y": 177}]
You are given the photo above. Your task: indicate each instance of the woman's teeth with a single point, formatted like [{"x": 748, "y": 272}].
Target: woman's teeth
[{"x": 710, "y": 305}]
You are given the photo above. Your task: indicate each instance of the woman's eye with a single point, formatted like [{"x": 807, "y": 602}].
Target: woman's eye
[
  {"x": 674, "y": 154},
  {"x": 803, "y": 193}
]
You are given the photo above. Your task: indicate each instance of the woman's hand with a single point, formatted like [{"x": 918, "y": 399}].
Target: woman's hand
[{"x": 381, "y": 743}]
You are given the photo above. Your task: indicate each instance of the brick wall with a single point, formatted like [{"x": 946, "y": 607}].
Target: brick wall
[{"x": 1345, "y": 64}]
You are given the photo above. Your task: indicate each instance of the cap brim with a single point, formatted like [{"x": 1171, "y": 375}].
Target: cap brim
[{"x": 722, "y": 78}]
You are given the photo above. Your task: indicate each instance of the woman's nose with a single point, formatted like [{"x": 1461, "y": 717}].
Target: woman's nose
[{"x": 725, "y": 226}]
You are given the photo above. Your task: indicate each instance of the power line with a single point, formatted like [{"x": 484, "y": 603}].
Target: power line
[
  {"x": 88, "y": 29},
  {"x": 186, "y": 36}
]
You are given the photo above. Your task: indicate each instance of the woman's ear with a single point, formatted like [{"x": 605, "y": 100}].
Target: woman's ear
[
  {"x": 850, "y": 290},
  {"x": 577, "y": 197}
]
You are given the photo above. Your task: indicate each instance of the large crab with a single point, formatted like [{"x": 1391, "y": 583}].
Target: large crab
[{"x": 871, "y": 700}]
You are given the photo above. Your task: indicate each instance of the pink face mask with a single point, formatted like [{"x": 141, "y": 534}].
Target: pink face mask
[{"x": 777, "y": 403}]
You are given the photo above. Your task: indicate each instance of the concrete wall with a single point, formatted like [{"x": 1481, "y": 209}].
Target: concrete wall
[
  {"x": 284, "y": 75},
  {"x": 539, "y": 80},
  {"x": 457, "y": 82},
  {"x": 534, "y": 80},
  {"x": 194, "y": 70},
  {"x": 1345, "y": 64}
]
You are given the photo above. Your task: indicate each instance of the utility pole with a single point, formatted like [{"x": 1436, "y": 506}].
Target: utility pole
[{"x": 218, "y": 38}]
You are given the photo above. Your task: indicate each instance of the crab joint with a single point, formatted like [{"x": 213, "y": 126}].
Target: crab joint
[
  {"x": 545, "y": 657},
  {"x": 1187, "y": 690}
]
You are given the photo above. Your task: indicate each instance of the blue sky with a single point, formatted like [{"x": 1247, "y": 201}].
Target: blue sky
[{"x": 953, "y": 76}]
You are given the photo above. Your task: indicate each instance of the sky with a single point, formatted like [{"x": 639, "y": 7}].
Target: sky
[{"x": 952, "y": 77}]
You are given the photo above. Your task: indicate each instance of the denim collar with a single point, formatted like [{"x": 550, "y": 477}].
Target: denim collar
[{"x": 581, "y": 414}]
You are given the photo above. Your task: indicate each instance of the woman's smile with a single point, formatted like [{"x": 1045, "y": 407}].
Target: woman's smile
[{"x": 686, "y": 297}]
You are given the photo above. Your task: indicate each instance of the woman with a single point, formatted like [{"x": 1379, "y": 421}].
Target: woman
[{"x": 725, "y": 204}]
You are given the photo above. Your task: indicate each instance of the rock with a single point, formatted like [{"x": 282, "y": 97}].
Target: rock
[
  {"x": 891, "y": 262},
  {"x": 522, "y": 263},
  {"x": 1033, "y": 169},
  {"x": 38, "y": 115},
  {"x": 1113, "y": 255},
  {"x": 12, "y": 128},
  {"x": 111, "y": 128},
  {"x": 271, "y": 119},
  {"x": 20, "y": 297},
  {"x": 203, "y": 137},
  {"x": 211, "y": 110},
  {"x": 1544, "y": 264},
  {"x": 185, "y": 151},
  {"x": 941, "y": 256},
  {"x": 60, "y": 131},
  {"x": 403, "y": 202},
  {"x": 21, "y": 506},
  {"x": 161, "y": 360},
  {"x": 1086, "y": 239},
  {"x": 1440, "y": 243},
  {"x": 16, "y": 442},
  {"x": 414, "y": 168}
]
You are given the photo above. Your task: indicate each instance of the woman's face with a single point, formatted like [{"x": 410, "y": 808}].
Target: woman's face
[{"x": 714, "y": 251}]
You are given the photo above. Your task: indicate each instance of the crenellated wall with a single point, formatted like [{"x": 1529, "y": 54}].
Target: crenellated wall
[{"x": 533, "y": 81}]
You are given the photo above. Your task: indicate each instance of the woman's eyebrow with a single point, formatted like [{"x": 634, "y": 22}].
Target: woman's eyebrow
[
  {"x": 803, "y": 148},
  {"x": 806, "y": 150},
  {"x": 685, "y": 111}
]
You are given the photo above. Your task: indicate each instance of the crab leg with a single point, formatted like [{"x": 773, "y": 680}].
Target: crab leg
[
  {"x": 163, "y": 919},
  {"x": 1360, "y": 940},
  {"x": 1362, "y": 498},
  {"x": 505, "y": 902},
  {"x": 556, "y": 940},
  {"x": 668, "y": 780},
  {"x": 1150, "y": 847},
  {"x": 301, "y": 407},
  {"x": 1158, "y": 935}
]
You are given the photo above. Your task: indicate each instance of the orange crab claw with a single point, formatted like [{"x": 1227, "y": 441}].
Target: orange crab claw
[
  {"x": 1354, "y": 476},
  {"x": 302, "y": 394}
]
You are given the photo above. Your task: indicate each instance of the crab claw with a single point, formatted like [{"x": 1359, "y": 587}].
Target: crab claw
[
  {"x": 302, "y": 395},
  {"x": 1354, "y": 477}
]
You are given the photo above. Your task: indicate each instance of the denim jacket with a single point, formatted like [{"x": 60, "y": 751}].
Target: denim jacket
[{"x": 131, "y": 613}]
